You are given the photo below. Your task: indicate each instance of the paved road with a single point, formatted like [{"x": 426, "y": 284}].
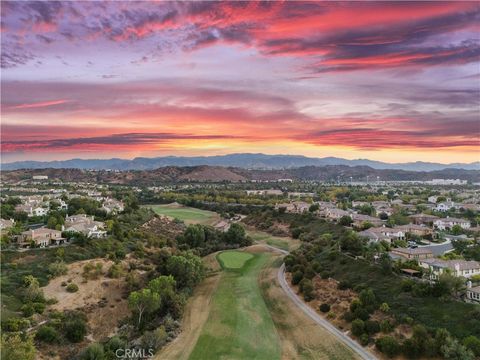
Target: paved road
[
  {"x": 358, "y": 349},
  {"x": 439, "y": 249}
]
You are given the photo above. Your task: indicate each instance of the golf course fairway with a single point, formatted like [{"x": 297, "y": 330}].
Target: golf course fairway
[{"x": 239, "y": 325}]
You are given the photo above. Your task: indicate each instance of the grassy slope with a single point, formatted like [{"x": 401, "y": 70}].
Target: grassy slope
[
  {"x": 457, "y": 317},
  {"x": 187, "y": 214},
  {"x": 233, "y": 259},
  {"x": 239, "y": 325},
  {"x": 277, "y": 241}
]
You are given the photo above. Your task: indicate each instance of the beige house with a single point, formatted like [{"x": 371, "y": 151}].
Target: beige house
[
  {"x": 423, "y": 219},
  {"x": 41, "y": 237},
  {"x": 413, "y": 254},
  {"x": 86, "y": 225},
  {"x": 450, "y": 222},
  {"x": 455, "y": 267}
]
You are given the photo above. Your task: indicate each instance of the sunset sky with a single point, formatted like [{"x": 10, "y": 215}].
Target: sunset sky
[{"x": 386, "y": 81}]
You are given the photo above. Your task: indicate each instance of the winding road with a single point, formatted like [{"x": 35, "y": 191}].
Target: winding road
[{"x": 358, "y": 349}]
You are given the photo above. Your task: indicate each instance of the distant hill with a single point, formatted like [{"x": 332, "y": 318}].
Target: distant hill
[
  {"x": 246, "y": 161},
  {"x": 205, "y": 173}
]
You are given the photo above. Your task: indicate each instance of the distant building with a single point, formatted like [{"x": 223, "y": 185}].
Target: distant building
[
  {"x": 40, "y": 177},
  {"x": 86, "y": 225}
]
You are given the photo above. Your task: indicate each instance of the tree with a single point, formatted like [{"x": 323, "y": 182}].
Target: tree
[
  {"x": 15, "y": 347},
  {"x": 235, "y": 234},
  {"x": 187, "y": 269},
  {"x": 473, "y": 344},
  {"x": 367, "y": 297},
  {"x": 325, "y": 308},
  {"x": 457, "y": 230},
  {"x": 358, "y": 327},
  {"x": 194, "y": 236},
  {"x": 313, "y": 208},
  {"x": 388, "y": 345},
  {"x": 143, "y": 301},
  {"x": 453, "y": 350},
  {"x": 32, "y": 291}
]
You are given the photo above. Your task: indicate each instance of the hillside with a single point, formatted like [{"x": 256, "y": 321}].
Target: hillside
[
  {"x": 246, "y": 161},
  {"x": 219, "y": 174}
]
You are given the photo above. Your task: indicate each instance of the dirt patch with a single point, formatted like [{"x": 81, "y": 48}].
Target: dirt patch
[
  {"x": 195, "y": 315},
  {"x": 101, "y": 299}
]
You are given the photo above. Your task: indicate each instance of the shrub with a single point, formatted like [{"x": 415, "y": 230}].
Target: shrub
[
  {"x": 57, "y": 268},
  {"x": 364, "y": 339},
  {"x": 72, "y": 287},
  {"x": 27, "y": 310},
  {"x": 325, "y": 308},
  {"x": 344, "y": 285},
  {"x": 388, "y": 345},
  {"x": 386, "y": 326},
  {"x": 115, "y": 271},
  {"x": 64, "y": 283},
  {"x": 473, "y": 344},
  {"x": 325, "y": 274},
  {"x": 349, "y": 316},
  {"x": 39, "y": 308},
  {"x": 358, "y": 327},
  {"x": 75, "y": 329},
  {"x": 47, "y": 334},
  {"x": 372, "y": 327},
  {"x": 154, "y": 339},
  {"x": 93, "y": 352},
  {"x": 384, "y": 307}
]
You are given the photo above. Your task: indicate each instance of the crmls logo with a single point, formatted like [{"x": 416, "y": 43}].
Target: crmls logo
[{"x": 134, "y": 353}]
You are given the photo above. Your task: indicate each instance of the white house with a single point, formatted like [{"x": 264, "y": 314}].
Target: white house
[
  {"x": 86, "y": 225},
  {"x": 445, "y": 206},
  {"x": 449, "y": 223},
  {"x": 473, "y": 293},
  {"x": 432, "y": 199}
]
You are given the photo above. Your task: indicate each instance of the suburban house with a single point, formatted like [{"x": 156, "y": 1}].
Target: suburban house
[
  {"x": 423, "y": 219},
  {"x": 294, "y": 207},
  {"x": 413, "y": 229},
  {"x": 41, "y": 237},
  {"x": 360, "y": 219},
  {"x": 412, "y": 254},
  {"x": 6, "y": 224},
  {"x": 445, "y": 206},
  {"x": 383, "y": 233},
  {"x": 112, "y": 206},
  {"x": 265, "y": 192},
  {"x": 86, "y": 225},
  {"x": 473, "y": 293},
  {"x": 449, "y": 223},
  {"x": 455, "y": 267},
  {"x": 335, "y": 213},
  {"x": 33, "y": 207},
  {"x": 432, "y": 199}
]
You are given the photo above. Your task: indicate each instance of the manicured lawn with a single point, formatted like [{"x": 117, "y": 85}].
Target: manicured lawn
[
  {"x": 239, "y": 325},
  {"x": 233, "y": 259},
  {"x": 187, "y": 214}
]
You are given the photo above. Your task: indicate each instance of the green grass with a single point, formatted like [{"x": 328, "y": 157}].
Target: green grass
[
  {"x": 239, "y": 325},
  {"x": 233, "y": 259},
  {"x": 187, "y": 214},
  {"x": 263, "y": 237}
]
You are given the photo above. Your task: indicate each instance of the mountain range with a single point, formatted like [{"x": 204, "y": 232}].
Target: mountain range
[{"x": 246, "y": 161}]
